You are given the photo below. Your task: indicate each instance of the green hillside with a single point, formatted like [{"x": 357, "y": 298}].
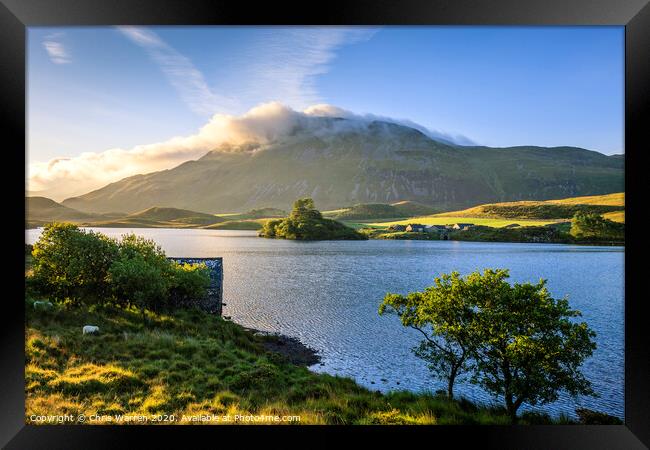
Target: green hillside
[
  {"x": 238, "y": 225},
  {"x": 190, "y": 363},
  {"x": 40, "y": 210},
  {"x": 528, "y": 213},
  {"x": 370, "y": 211},
  {"x": 374, "y": 162},
  {"x": 157, "y": 217},
  {"x": 175, "y": 215},
  {"x": 549, "y": 209}
]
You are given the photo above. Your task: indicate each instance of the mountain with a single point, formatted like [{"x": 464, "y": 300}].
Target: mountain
[{"x": 345, "y": 162}]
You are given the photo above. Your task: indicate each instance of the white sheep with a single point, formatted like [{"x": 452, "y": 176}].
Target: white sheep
[
  {"x": 90, "y": 329},
  {"x": 42, "y": 305}
]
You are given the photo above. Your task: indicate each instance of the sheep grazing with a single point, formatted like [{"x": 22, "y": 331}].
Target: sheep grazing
[
  {"x": 90, "y": 329},
  {"x": 42, "y": 305}
]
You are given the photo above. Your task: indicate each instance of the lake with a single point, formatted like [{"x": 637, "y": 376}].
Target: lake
[{"x": 327, "y": 293}]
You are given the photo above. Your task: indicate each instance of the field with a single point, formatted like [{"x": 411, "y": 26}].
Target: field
[
  {"x": 616, "y": 199},
  {"x": 524, "y": 213},
  {"x": 444, "y": 220},
  {"x": 191, "y": 364}
]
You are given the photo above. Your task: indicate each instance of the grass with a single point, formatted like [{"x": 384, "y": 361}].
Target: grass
[
  {"x": 450, "y": 220},
  {"x": 616, "y": 216},
  {"x": 616, "y": 199},
  {"x": 524, "y": 213},
  {"x": 191, "y": 363},
  {"x": 256, "y": 224}
]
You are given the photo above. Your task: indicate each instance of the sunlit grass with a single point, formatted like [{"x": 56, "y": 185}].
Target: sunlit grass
[
  {"x": 450, "y": 220},
  {"x": 194, "y": 364}
]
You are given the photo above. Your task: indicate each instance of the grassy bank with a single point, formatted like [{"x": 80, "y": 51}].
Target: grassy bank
[{"x": 191, "y": 363}]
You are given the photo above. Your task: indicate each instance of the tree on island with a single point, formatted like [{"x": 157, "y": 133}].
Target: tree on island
[
  {"x": 305, "y": 222},
  {"x": 518, "y": 342}
]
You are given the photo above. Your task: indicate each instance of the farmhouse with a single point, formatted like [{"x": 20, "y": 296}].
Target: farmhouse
[
  {"x": 397, "y": 227},
  {"x": 436, "y": 228},
  {"x": 462, "y": 226},
  {"x": 415, "y": 228}
]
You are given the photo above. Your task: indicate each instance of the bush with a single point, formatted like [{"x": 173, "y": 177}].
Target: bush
[
  {"x": 69, "y": 263},
  {"x": 592, "y": 226},
  {"x": 87, "y": 267},
  {"x": 589, "y": 417},
  {"x": 187, "y": 282},
  {"x": 135, "y": 281}
]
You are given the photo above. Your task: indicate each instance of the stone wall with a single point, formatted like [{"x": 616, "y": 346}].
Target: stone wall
[{"x": 213, "y": 303}]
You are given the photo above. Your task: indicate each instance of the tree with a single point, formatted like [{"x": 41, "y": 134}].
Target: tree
[
  {"x": 590, "y": 225},
  {"x": 72, "y": 264},
  {"x": 444, "y": 315},
  {"x": 305, "y": 222},
  {"x": 305, "y": 209},
  {"x": 529, "y": 348}
]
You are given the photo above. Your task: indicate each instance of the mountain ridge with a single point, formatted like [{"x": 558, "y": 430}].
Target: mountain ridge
[{"x": 340, "y": 162}]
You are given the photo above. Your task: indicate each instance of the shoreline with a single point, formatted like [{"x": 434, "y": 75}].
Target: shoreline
[
  {"x": 290, "y": 348},
  {"x": 372, "y": 238}
]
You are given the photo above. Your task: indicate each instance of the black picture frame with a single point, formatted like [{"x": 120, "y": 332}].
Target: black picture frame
[{"x": 16, "y": 15}]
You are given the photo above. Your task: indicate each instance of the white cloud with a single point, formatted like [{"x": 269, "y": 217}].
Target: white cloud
[
  {"x": 60, "y": 178},
  {"x": 285, "y": 63},
  {"x": 281, "y": 63},
  {"x": 55, "y": 49}
]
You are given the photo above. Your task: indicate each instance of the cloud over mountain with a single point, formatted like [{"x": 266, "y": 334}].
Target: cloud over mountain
[{"x": 60, "y": 178}]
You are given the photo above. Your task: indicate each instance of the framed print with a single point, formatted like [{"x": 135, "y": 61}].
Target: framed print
[{"x": 395, "y": 217}]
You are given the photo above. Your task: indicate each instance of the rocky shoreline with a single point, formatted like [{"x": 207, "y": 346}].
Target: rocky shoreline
[{"x": 289, "y": 347}]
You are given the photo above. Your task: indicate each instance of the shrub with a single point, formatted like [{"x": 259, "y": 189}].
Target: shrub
[
  {"x": 593, "y": 226},
  {"x": 69, "y": 263},
  {"x": 187, "y": 282},
  {"x": 87, "y": 267},
  {"x": 135, "y": 281}
]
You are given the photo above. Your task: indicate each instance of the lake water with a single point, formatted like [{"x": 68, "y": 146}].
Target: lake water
[{"x": 327, "y": 293}]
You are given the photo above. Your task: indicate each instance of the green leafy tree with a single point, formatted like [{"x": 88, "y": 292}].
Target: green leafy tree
[
  {"x": 444, "y": 315},
  {"x": 304, "y": 209},
  {"x": 593, "y": 226},
  {"x": 305, "y": 222},
  {"x": 69, "y": 263},
  {"x": 529, "y": 347}
]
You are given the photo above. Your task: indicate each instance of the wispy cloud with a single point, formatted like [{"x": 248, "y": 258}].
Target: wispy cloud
[
  {"x": 55, "y": 49},
  {"x": 180, "y": 71},
  {"x": 281, "y": 65},
  {"x": 284, "y": 63}
]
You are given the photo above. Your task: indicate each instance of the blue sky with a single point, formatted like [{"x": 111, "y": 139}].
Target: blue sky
[{"x": 93, "y": 89}]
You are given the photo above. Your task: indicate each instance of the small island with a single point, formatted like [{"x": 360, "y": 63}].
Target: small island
[{"x": 306, "y": 223}]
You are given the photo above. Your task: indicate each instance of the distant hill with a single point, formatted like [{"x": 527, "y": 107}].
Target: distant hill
[
  {"x": 157, "y": 217},
  {"x": 175, "y": 215},
  {"x": 341, "y": 162},
  {"x": 40, "y": 210},
  {"x": 372, "y": 211},
  {"x": 616, "y": 199},
  {"x": 549, "y": 209},
  {"x": 557, "y": 212}
]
